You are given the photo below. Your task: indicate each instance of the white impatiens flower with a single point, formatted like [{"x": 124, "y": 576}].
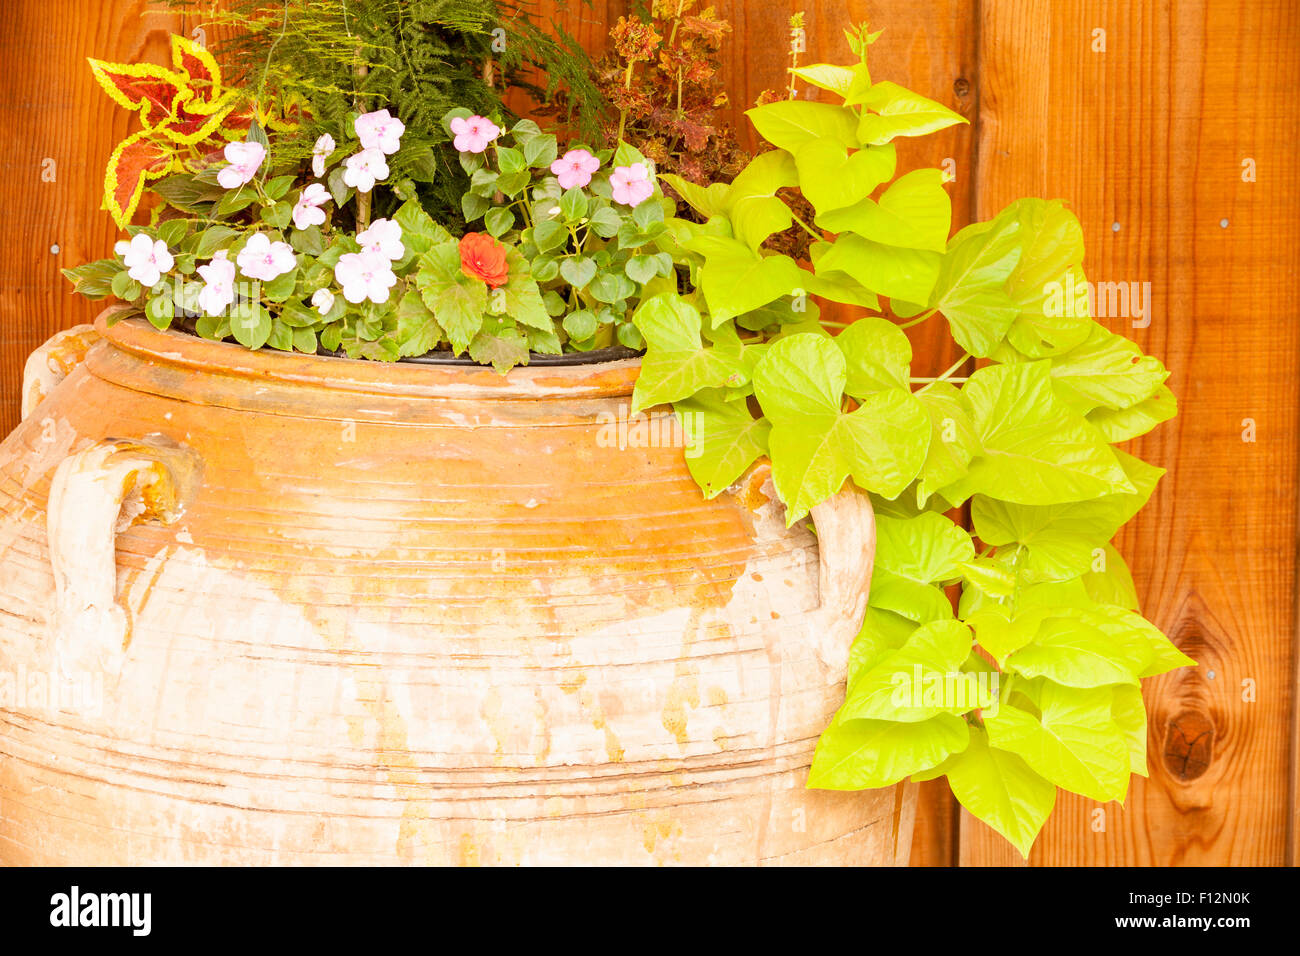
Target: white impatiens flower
[
  {"x": 245, "y": 159},
  {"x": 218, "y": 284},
  {"x": 321, "y": 152},
  {"x": 322, "y": 300},
  {"x": 364, "y": 169},
  {"x": 146, "y": 259},
  {"x": 384, "y": 237},
  {"x": 379, "y": 130},
  {"x": 306, "y": 211},
  {"x": 263, "y": 259},
  {"x": 365, "y": 275}
]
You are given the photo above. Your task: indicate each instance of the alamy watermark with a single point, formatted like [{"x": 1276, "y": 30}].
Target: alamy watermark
[{"x": 624, "y": 429}]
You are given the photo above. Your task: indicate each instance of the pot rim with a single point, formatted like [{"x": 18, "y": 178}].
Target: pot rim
[{"x": 136, "y": 338}]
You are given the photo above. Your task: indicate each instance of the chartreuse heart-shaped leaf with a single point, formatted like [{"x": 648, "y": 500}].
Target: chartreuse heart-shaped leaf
[
  {"x": 953, "y": 442},
  {"x": 893, "y": 271},
  {"x": 752, "y": 203},
  {"x": 708, "y": 201},
  {"x": 1048, "y": 286},
  {"x": 1061, "y": 539},
  {"x": 881, "y": 633},
  {"x": 1137, "y": 419},
  {"x": 894, "y": 111},
  {"x": 970, "y": 289},
  {"x": 843, "y": 80},
  {"x": 914, "y": 212},
  {"x": 1130, "y": 715},
  {"x": 1000, "y": 788},
  {"x": 919, "y": 680},
  {"x": 1106, "y": 370},
  {"x": 724, "y": 438},
  {"x": 736, "y": 280},
  {"x": 1034, "y": 450},
  {"x": 789, "y": 124},
  {"x": 815, "y": 445},
  {"x": 862, "y": 754},
  {"x": 830, "y": 177},
  {"x": 676, "y": 363},
  {"x": 926, "y": 549},
  {"x": 1074, "y": 742},
  {"x": 1109, "y": 580},
  {"x": 1094, "y": 646},
  {"x": 878, "y": 353}
]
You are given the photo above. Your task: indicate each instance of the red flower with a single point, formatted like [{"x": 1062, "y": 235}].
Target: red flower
[{"x": 482, "y": 257}]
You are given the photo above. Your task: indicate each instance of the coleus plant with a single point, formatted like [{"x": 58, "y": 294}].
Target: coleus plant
[
  {"x": 1032, "y": 682},
  {"x": 328, "y": 254}
]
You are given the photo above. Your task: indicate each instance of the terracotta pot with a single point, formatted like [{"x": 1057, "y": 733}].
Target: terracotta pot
[{"x": 324, "y": 611}]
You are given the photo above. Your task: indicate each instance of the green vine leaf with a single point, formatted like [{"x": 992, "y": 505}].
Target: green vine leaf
[
  {"x": 789, "y": 124},
  {"x": 953, "y": 441},
  {"x": 882, "y": 444},
  {"x": 676, "y": 364},
  {"x": 896, "y": 111},
  {"x": 860, "y": 754},
  {"x": 752, "y": 203},
  {"x": 831, "y": 178},
  {"x": 1117, "y": 426},
  {"x": 894, "y": 689},
  {"x": 1106, "y": 370},
  {"x": 724, "y": 438},
  {"x": 892, "y": 271},
  {"x": 879, "y": 356},
  {"x": 970, "y": 289},
  {"x": 914, "y": 212},
  {"x": 736, "y": 280},
  {"x": 999, "y": 788},
  {"x": 1074, "y": 742}
]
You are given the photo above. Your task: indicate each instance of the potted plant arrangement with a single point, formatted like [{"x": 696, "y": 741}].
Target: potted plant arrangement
[{"x": 422, "y": 607}]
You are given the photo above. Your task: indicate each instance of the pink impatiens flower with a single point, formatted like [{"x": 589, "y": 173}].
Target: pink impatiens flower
[
  {"x": 263, "y": 259},
  {"x": 574, "y": 168},
  {"x": 245, "y": 160},
  {"x": 384, "y": 237},
  {"x": 307, "y": 211},
  {"x": 320, "y": 152},
  {"x": 379, "y": 130},
  {"x": 364, "y": 169},
  {"x": 219, "y": 284},
  {"x": 473, "y": 133},
  {"x": 631, "y": 184},
  {"x": 146, "y": 259},
  {"x": 365, "y": 275}
]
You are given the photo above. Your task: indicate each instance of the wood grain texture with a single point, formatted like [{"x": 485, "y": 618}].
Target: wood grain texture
[{"x": 1151, "y": 135}]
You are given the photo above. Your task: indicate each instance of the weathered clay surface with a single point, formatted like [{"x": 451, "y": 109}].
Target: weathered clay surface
[{"x": 412, "y": 614}]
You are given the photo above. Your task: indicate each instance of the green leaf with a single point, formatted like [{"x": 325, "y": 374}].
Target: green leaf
[
  {"x": 800, "y": 382},
  {"x": 914, "y": 212},
  {"x": 1113, "y": 583},
  {"x": 892, "y": 271},
  {"x": 827, "y": 76},
  {"x": 882, "y": 632},
  {"x": 580, "y": 325},
  {"x": 573, "y": 204},
  {"x": 549, "y": 234},
  {"x": 418, "y": 331},
  {"x": 458, "y": 302},
  {"x": 917, "y": 602},
  {"x": 831, "y": 178},
  {"x": 895, "y": 111},
  {"x": 878, "y": 353},
  {"x": 928, "y": 548},
  {"x": 1108, "y": 370},
  {"x": 971, "y": 287},
  {"x": 953, "y": 441},
  {"x": 502, "y": 348},
  {"x": 917, "y": 681},
  {"x": 1075, "y": 743},
  {"x": 419, "y": 232},
  {"x": 1034, "y": 449},
  {"x": 789, "y": 124},
  {"x": 1001, "y": 789},
  {"x": 708, "y": 202},
  {"x": 540, "y": 151},
  {"x": 605, "y": 222},
  {"x": 676, "y": 363},
  {"x": 578, "y": 270},
  {"x": 1047, "y": 284},
  {"x": 752, "y": 203},
  {"x": 724, "y": 438},
  {"x": 1061, "y": 538},
  {"x": 522, "y": 296},
  {"x": 498, "y": 221},
  {"x": 1092, "y": 647},
  {"x": 277, "y": 215},
  {"x": 862, "y": 754},
  {"x": 1116, "y": 426},
  {"x": 250, "y": 324},
  {"x": 735, "y": 280},
  {"x": 1130, "y": 715},
  {"x": 160, "y": 310}
]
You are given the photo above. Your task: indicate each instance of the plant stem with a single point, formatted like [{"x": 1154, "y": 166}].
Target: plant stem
[
  {"x": 627, "y": 85},
  {"x": 946, "y": 376},
  {"x": 807, "y": 228},
  {"x": 918, "y": 320}
]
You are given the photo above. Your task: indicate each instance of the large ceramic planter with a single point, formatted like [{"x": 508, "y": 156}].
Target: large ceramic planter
[{"x": 338, "y": 612}]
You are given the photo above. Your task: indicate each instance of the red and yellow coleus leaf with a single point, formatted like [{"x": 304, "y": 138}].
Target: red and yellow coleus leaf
[
  {"x": 148, "y": 89},
  {"x": 136, "y": 160}
]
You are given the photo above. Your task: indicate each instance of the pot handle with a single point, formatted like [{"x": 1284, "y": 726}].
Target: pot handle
[
  {"x": 52, "y": 362},
  {"x": 846, "y": 548},
  {"x": 96, "y": 493}
]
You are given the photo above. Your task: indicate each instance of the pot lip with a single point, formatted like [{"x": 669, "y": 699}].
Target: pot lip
[{"x": 136, "y": 337}]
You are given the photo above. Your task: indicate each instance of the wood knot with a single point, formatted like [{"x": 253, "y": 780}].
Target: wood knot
[
  {"x": 961, "y": 86},
  {"x": 1189, "y": 745}
]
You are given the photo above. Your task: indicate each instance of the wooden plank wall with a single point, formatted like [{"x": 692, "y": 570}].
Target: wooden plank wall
[{"x": 1149, "y": 117}]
